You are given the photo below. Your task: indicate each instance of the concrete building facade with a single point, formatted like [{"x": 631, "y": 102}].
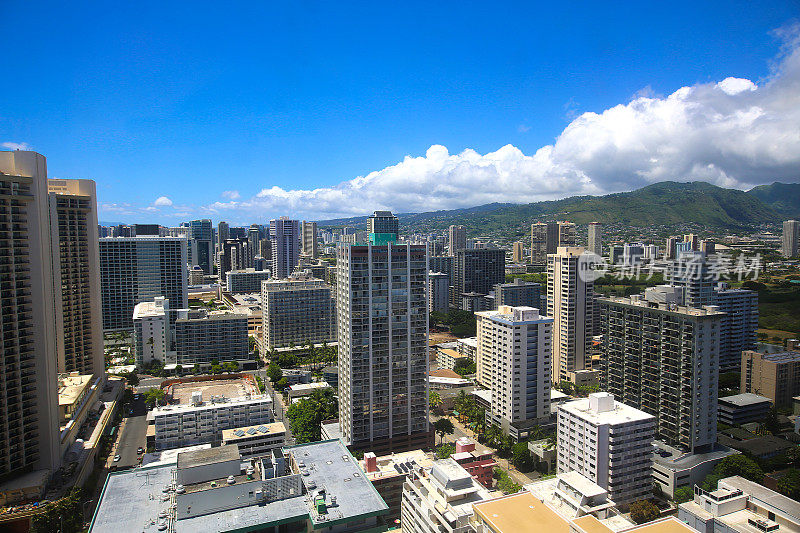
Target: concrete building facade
[
  {"x": 476, "y": 271},
  {"x": 284, "y": 234},
  {"x": 775, "y": 375},
  {"x": 457, "y": 239},
  {"x": 295, "y": 311},
  {"x": 514, "y": 345}
]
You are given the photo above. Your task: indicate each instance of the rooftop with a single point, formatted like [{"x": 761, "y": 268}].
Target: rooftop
[
  {"x": 675, "y": 459},
  {"x": 782, "y": 357},
  {"x": 248, "y": 432},
  {"x": 181, "y": 392},
  {"x": 331, "y": 466},
  {"x": 70, "y": 387},
  {"x": 302, "y": 387},
  {"x": 744, "y": 399},
  {"x": 619, "y": 414},
  {"x": 639, "y": 301},
  {"x": 398, "y": 464},
  {"x": 520, "y": 513},
  {"x": 763, "y": 495},
  {"x": 208, "y": 456}
]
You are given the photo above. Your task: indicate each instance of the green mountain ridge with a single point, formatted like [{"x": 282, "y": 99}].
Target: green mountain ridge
[
  {"x": 782, "y": 197},
  {"x": 665, "y": 203}
]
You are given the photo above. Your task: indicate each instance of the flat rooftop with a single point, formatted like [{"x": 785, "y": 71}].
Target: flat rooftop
[
  {"x": 620, "y": 414},
  {"x": 397, "y": 464},
  {"x": 249, "y": 432},
  {"x": 71, "y": 387},
  {"x": 229, "y": 388},
  {"x": 330, "y": 465},
  {"x": 676, "y": 459},
  {"x": 744, "y": 399},
  {"x": 763, "y": 495},
  {"x": 782, "y": 357},
  {"x": 520, "y": 513},
  {"x": 208, "y": 456},
  {"x": 673, "y": 309}
]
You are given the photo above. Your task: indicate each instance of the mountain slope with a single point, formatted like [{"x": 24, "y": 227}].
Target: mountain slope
[{"x": 782, "y": 197}]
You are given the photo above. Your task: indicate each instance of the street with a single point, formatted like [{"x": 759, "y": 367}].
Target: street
[{"x": 132, "y": 436}]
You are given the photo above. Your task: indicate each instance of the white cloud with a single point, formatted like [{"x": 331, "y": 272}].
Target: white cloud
[
  {"x": 734, "y": 133},
  {"x": 16, "y": 146},
  {"x": 162, "y": 201},
  {"x": 231, "y": 195}
]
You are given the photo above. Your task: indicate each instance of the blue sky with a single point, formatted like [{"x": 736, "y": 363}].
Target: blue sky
[{"x": 186, "y": 101}]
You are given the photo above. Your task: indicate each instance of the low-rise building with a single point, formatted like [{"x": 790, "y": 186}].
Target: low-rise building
[
  {"x": 740, "y": 506},
  {"x": 296, "y": 375},
  {"x": 447, "y": 357},
  {"x": 476, "y": 459},
  {"x": 439, "y": 499},
  {"x": 305, "y": 389},
  {"x": 468, "y": 346},
  {"x": 256, "y": 441},
  {"x": 309, "y": 487},
  {"x": 388, "y": 474},
  {"x": 674, "y": 468},
  {"x": 202, "y": 422},
  {"x": 742, "y": 408}
]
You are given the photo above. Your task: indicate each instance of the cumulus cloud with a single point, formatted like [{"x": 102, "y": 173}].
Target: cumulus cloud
[
  {"x": 162, "y": 201},
  {"x": 732, "y": 132},
  {"x": 16, "y": 146}
]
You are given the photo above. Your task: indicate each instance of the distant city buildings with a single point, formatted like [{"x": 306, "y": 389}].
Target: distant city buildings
[
  {"x": 310, "y": 246},
  {"x": 513, "y": 360},
  {"x": 457, "y": 240},
  {"x": 245, "y": 281},
  {"x": 201, "y": 244},
  {"x": 609, "y": 443},
  {"x": 476, "y": 271},
  {"x": 547, "y": 237},
  {"x": 739, "y": 325},
  {"x": 518, "y": 252},
  {"x": 790, "y": 238},
  {"x": 595, "y": 238},
  {"x": 438, "y": 292},
  {"x": 139, "y": 269},
  {"x": 285, "y": 236}
]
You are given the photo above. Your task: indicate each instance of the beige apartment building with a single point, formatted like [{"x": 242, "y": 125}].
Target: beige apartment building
[
  {"x": 774, "y": 375},
  {"x": 76, "y": 276}
]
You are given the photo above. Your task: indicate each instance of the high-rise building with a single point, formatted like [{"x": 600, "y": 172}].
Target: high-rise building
[
  {"x": 285, "y": 236},
  {"x": 569, "y": 303},
  {"x": 216, "y": 336},
  {"x": 457, "y": 240},
  {"x": 774, "y": 375},
  {"x": 693, "y": 241},
  {"x": 139, "y": 269},
  {"x": 382, "y": 227},
  {"x": 223, "y": 232},
  {"x": 690, "y": 271},
  {"x": 670, "y": 248},
  {"x": 254, "y": 235},
  {"x": 739, "y": 325},
  {"x": 296, "y": 311},
  {"x": 383, "y": 346},
  {"x": 546, "y": 237},
  {"x": 664, "y": 359},
  {"x": 513, "y": 358},
  {"x": 140, "y": 229},
  {"x": 201, "y": 235},
  {"x": 245, "y": 281},
  {"x": 476, "y": 272},
  {"x": 632, "y": 253},
  {"x": 76, "y": 276},
  {"x": 609, "y": 443},
  {"x": 310, "y": 245},
  {"x": 595, "y": 238},
  {"x": 518, "y": 252},
  {"x": 790, "y": 238},
  {"x": 438, "y": 292},
  {"x": 441, "y": 263},
  {"x": 151, "y": 331},
  {"x": 29, "y": 431},
  {"x": 518, "y": 293}
]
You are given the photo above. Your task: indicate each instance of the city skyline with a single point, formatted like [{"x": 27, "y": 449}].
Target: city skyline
[{"x": 455, "y": 133}]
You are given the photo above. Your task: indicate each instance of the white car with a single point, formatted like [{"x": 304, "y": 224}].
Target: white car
[{"x": 117, "y": 458}]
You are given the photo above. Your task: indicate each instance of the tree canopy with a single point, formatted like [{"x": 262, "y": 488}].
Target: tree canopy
[{"x": 306, "y": 415}]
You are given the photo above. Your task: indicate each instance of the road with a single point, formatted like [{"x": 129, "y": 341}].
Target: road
[
  {"x": 132, "y": 436},
  {"x": 280, "y": 410}
]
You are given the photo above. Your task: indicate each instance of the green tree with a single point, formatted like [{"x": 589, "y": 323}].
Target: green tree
[
  {"x": 178, "y": 369},
  {"x": 789, "y": 484},
  {"x": 306, "y": 415},
  {"x": 505, "y": 483},
  {"x": 644, "y": 511},
  {"x": 434, "y": 400},
  {"x": 684, "y": 494},
  {"x": 154, "y": 396},
  {"x": 443, "y": 451},
  {"x": 464, "y": 366},
  {"x": 131, "y": 378},
  {"x": 282, "y": 384},
  {"x": 274, "y": 372},
  {"x": 443, "y": 427},
  {"x": 216, "y": 369},
  {"x": 771, "y": 423},
  {"x": 64, "y": 515},
  {"x": 521, "y": 457},
  {"x": 739, "y": 465}
]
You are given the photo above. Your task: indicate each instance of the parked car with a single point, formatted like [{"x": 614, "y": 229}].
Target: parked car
[
  {"x": 140, "y": 450},
  {"x": 117, "y": 458}
]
